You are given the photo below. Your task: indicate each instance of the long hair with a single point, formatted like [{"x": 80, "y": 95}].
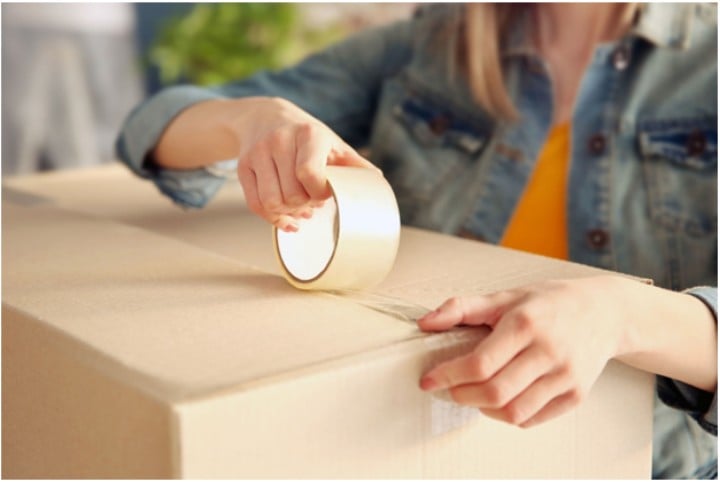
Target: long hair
[{"x": 486, "y": 27}]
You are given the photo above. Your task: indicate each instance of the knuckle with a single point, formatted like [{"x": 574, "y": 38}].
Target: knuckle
[
  {"x": 276, "y": 137},
  {"x": 553, "y": 352},
  {"x": 455, "y": 303},
  {"x": 525, "y": 321},
  {"x": 243, "y": 163},
  {"x": 575, "y": 396},
  {"x": 304, "y": 131},
  {"x": 567, "y": 372},
  {"x": 495, "y": 395},
  {"x": 457, "y": 395},
  {"x": 273, "y": 204},
  {"x": 306, "y": 128},
  {"x": 297, "y": 199},
  {"x": 477, "y": 371},
  {"x": 306, "y": 173},
  {"x": 255, "y": 206},
  {"x": 513, "y": 414},
  {"x": 280, "y": 101},
  {"x": 248, "y": 161}
]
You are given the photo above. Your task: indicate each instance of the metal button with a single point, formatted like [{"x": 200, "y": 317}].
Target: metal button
[
  {"x": 696, "y": 143},
  {"x": 621, "y": 57},
  {"x": 598, "y": 238},
  {"x": 439, "y": 124},
  {"x": 596, "y": 144},
  {"x": 467, "y": 234}
]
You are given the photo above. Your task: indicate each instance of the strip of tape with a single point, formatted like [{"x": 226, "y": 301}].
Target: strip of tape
[
  {"x": 349, "y": 243},
  {"x": 445, "y": 414}
]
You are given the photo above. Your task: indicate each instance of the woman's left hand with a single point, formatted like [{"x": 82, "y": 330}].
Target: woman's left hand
[{"x": 548, "y": 345}]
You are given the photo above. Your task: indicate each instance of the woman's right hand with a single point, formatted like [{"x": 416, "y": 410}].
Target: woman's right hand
[{"x": 282, "y": 160}]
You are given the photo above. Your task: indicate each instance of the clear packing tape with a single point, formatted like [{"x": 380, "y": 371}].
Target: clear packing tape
[{"x": 349, "y": 245}]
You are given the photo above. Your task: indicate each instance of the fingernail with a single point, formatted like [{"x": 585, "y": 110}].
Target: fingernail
[
  {"x": 289, "y": 227},
  {"x": 428, "y": 383},
  {"x": 429, "y": 315}
]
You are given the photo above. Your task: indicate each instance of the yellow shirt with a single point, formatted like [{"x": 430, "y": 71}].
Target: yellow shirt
[{"x": 539, "y": 223}]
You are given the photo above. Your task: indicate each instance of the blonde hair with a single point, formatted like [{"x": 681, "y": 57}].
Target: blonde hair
[{"x": 486, "y": 27}]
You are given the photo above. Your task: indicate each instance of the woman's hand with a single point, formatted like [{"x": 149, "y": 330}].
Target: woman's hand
[
  {"x": 282, "y": 159},
  {"x": 282, "y": 152},
  {"x": 548, "y": 345}
]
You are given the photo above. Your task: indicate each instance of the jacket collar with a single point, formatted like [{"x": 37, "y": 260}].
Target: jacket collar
[{"x": 665, "y": 24}]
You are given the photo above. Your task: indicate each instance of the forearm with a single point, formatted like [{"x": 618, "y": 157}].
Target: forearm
[
  {"x": 668, "y": 333},
  {"x": 203, "y": 134}
]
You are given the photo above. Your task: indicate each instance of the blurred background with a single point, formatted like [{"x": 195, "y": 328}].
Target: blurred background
[{"x": 72, "y": 72}]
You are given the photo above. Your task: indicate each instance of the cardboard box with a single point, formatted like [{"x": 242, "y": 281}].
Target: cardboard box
[{"x": 143, "y": 341}]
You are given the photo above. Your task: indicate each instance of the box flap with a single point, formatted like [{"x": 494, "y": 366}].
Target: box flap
[{"x": 187, "y": 320}]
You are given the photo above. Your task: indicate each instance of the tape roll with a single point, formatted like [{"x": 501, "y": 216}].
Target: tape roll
[{"x": 350, "y": 242}]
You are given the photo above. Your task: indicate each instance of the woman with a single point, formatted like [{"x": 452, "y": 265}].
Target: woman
[{"x": 593, "y": 124}]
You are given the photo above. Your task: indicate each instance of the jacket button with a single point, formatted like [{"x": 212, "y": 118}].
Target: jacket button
[
  {"x": 596, "y": 144},
  {"x": 439, "y": 124},
  {"x": 598, "y": 238},
  {"x": 696, "y": 143},
  {"x": 621, "y": 57},
  {"x": 467, "y": 234}
]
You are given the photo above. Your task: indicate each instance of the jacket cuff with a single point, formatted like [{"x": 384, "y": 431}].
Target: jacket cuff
[
  {"x": 145, "y": 126},
  {"x": 700, "y": 405}
]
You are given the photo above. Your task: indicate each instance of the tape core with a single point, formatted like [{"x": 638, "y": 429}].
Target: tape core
[{"x": 306, "y": 254}]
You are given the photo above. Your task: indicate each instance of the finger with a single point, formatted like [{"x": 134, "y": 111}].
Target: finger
[
  {"x": 347, "y": 156},
  {"x": 249, "y": 185},
  {"x": 293, "y": 193},
  {"x": 492, "y": 353},
  {"x": 555, "y": 408},
  {"x": 508, "y": 383},
  {"x": 313, "y": 148},
  {"x": 475, "y": 310},
  {"x": 532, "y": 401},
  {"x": 286, "y": 223},
  {"x": 268, "y": 186},
  {"x": 509, "y": 339},
  {"x": 248, "y": 182},
  {"x": 305, "y": 212}
]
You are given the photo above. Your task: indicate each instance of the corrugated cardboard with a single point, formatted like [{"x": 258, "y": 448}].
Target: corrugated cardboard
[{"x": 143, "y": 341}]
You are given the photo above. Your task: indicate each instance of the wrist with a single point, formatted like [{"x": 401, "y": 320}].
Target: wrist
[
  {"x": 244, "y": 117},
  {"x": 667, "y": 333}
]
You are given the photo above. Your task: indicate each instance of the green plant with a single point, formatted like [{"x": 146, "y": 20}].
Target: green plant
[{"x": 217, "y": 43}]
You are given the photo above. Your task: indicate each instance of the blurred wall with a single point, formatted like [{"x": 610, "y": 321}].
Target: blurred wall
[
  {"x": 72, "y": 72},
  {"x": 69, "y": 75}
]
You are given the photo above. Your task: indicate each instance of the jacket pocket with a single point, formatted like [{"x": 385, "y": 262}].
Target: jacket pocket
[
  {"x": 435, "y": 127},
  {"x": 425, "y": 148},
  {"x": 680, "y": 165}
]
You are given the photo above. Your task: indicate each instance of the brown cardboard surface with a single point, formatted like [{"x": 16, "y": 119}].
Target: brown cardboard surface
[
  {"x": 429, "y": 268},
  {"x": 187, "y": 320},
  {"x": 142, "y": 340},
  {"x": 65, "y": 418}
]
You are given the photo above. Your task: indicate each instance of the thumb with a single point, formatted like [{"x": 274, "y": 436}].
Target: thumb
[
  {"x": 474, "y": 310},
  {"x": 347, "y": 156}
]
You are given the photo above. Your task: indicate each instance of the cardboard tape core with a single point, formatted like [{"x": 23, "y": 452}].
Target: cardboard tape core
[
  {"x": 351, "y": 241},
  {"x": 306, "y": 253}
]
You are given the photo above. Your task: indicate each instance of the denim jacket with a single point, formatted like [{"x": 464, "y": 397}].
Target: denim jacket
[{"x": 642, "y": 188}]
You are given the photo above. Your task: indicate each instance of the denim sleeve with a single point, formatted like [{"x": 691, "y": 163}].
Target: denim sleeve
[
  {"x": 340, "y": 86},
  {"x": 701, "y": 405}
]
